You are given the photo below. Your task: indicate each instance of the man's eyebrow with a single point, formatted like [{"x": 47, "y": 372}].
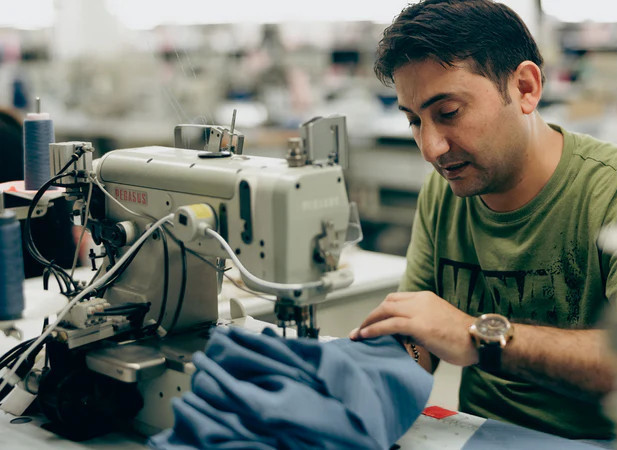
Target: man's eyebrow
[{"x": 429, "y": 102}]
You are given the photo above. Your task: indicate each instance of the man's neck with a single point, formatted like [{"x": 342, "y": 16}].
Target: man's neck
[{"x": 545, "y": 149}]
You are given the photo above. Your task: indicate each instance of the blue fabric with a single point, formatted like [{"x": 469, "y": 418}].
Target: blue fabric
[
  {"x": 494, "y": 434},
  {"x": 261, "y": 391}
]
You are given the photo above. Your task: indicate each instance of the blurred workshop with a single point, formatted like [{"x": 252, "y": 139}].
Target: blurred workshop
[{"x": 205, "y": 207}]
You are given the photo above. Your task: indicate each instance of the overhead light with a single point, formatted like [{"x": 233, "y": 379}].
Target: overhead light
[
  {"x": 27, "y": 14},
  {"x": 573, "y": 11},
  {"x": 147, "y": 14}
]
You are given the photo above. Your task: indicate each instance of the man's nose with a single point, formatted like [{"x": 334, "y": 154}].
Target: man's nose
[{"x": 432, "y": 142}]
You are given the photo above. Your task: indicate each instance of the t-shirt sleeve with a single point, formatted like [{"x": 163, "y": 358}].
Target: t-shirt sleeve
[
  {"x": 609, "y": 259},
  {"x": 419, "y": 274}
]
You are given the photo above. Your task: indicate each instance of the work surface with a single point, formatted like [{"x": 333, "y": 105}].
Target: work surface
[
  {"x": 427, "y": 433},
  {"x": 456, "y": 431},
  {"x": 376, "y": 275}
]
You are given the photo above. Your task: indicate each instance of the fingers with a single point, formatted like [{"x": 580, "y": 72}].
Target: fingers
[
  {"x": 389, "y": 309},
  {"x": 396, "y": 304},
  {"x": 382, "y": 312},
  {"x": 399, "y": 296},
  {"x": 391, "y": 325}
]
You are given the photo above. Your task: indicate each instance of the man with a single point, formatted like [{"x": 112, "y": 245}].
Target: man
[{"x": 506, "y": 224}]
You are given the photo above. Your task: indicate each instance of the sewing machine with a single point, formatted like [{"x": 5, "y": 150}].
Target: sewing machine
[{"x": 123, "y": 353}]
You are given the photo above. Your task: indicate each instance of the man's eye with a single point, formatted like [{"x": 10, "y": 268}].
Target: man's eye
[
  {"x": 414, "y": 123},
  {"x": 449, "y": 114}
]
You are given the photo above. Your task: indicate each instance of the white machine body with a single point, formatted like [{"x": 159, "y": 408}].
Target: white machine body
[
  {"x": 272, "y": 215},
  {"x": 283, "y": 221}
]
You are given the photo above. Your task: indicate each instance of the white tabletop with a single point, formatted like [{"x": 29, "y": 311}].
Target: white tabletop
[
  {"x": 427, "y": 433},
  {"x": 373, "y": 272}
]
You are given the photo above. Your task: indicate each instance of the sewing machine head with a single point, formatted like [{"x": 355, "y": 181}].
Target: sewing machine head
[
  {"x": 285, "y": 222},
  {"x": 169, "y": 219}
]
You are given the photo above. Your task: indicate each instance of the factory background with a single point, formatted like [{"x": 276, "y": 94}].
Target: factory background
[{"x": 123, "y": 73}]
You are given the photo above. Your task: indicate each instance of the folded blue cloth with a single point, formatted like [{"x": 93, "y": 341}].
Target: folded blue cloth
[{"x": 264, "y": 392}]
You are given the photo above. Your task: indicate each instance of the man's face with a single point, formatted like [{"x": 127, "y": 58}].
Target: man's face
[{"x": 463, "y": 126}]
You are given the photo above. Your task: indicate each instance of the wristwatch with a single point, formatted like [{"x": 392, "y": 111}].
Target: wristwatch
[{"x": 490, "y": 334}]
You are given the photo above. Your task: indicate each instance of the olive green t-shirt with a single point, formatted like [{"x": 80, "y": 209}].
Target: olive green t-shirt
[{"x": 538, "y": 264}]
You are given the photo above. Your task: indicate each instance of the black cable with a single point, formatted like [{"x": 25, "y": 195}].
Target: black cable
[
  {"x": 116, "y": 313},
  {"x": 31, "y": 246},
  {"x": 217, "y": 269},
  {"x": 231, "y": 280},
  {"x": 8, "y": 356},
  {"x": 51, "y": 266},
  {"x": 123, "y": 310},
  {"x": 101, "y": 289},
  {"x": 117, "y": 310},
  {"x": 11, "y": 357},
  {"x": 182, "y": 287},
  {"x": 47, "y": 272},
  {"x": 37, "y": 197},
  {"x": 159, "y": 320},
  {"x": 122, "y": 306},
  {"x": 96, "y": 275},
  {"x": 45, "y": 324},
  {"x": 110, "y": 253}
]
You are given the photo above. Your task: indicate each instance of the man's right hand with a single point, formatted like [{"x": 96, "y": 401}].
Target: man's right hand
[{"x": 428, "y": 320}]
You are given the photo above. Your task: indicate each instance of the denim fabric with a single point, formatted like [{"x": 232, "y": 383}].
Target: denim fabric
[{"x": 264, "y": 392}]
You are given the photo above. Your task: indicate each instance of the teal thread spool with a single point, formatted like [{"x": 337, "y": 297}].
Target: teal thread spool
[
  {"x": 11, "y": 267},
  {"x": 38, "y": 134}
]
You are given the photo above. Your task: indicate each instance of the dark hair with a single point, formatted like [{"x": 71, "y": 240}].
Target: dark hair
[
  {"x": 11, "y": 150},
  {"x": 489, "y": 35}
]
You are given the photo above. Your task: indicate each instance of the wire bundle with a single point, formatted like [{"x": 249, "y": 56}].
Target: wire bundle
[
  {"x": 65, "y": 282},
  {"x": 11, "y": 267},
  {"x": 83, "y": 294},
  {"x": 7, "y": 361}
]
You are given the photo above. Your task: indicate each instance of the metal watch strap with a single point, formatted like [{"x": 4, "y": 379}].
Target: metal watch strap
[{"x": 489, "y": 355}]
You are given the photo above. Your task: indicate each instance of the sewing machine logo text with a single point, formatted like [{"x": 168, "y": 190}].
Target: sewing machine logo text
[
  {"x": 131, "y": 196},
  {"x": 320, "y": 203}
]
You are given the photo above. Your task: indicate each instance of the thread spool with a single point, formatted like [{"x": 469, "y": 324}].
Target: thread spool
[
  {"x": 38, "y": 134},
  {"x": 11, "y": 267}
]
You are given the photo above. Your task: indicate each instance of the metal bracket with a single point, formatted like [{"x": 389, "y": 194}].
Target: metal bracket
[
  {"x": 19, "y": 202},
  {"x": 213, "y": 137},
  {"x": 325, "y": 140},
  {"x": 329, "y": 248}
]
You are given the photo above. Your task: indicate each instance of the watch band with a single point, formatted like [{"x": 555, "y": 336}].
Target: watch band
[{"x": 489, "y": 356}]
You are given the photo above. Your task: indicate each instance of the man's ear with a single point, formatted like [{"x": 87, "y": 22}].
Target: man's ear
[{"x": 527, "y": 79}]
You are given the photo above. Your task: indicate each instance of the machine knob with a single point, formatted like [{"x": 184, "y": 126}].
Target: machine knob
[{"x": 296, "y": 156}]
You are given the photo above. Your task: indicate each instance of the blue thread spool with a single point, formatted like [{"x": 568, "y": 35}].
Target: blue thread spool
[
  {"x": 38, "y": 134},
  {"x": 11, "y": 267}
]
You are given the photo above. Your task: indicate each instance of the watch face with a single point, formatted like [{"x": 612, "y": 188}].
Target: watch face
[{"x": 492, "y": 326}]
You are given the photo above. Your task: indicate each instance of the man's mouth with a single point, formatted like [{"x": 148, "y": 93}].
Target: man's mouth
[{"x": 454, "y": 170}]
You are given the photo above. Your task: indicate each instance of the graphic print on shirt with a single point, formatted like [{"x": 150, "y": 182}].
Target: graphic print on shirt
[{"x": 548, "y": 296}]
